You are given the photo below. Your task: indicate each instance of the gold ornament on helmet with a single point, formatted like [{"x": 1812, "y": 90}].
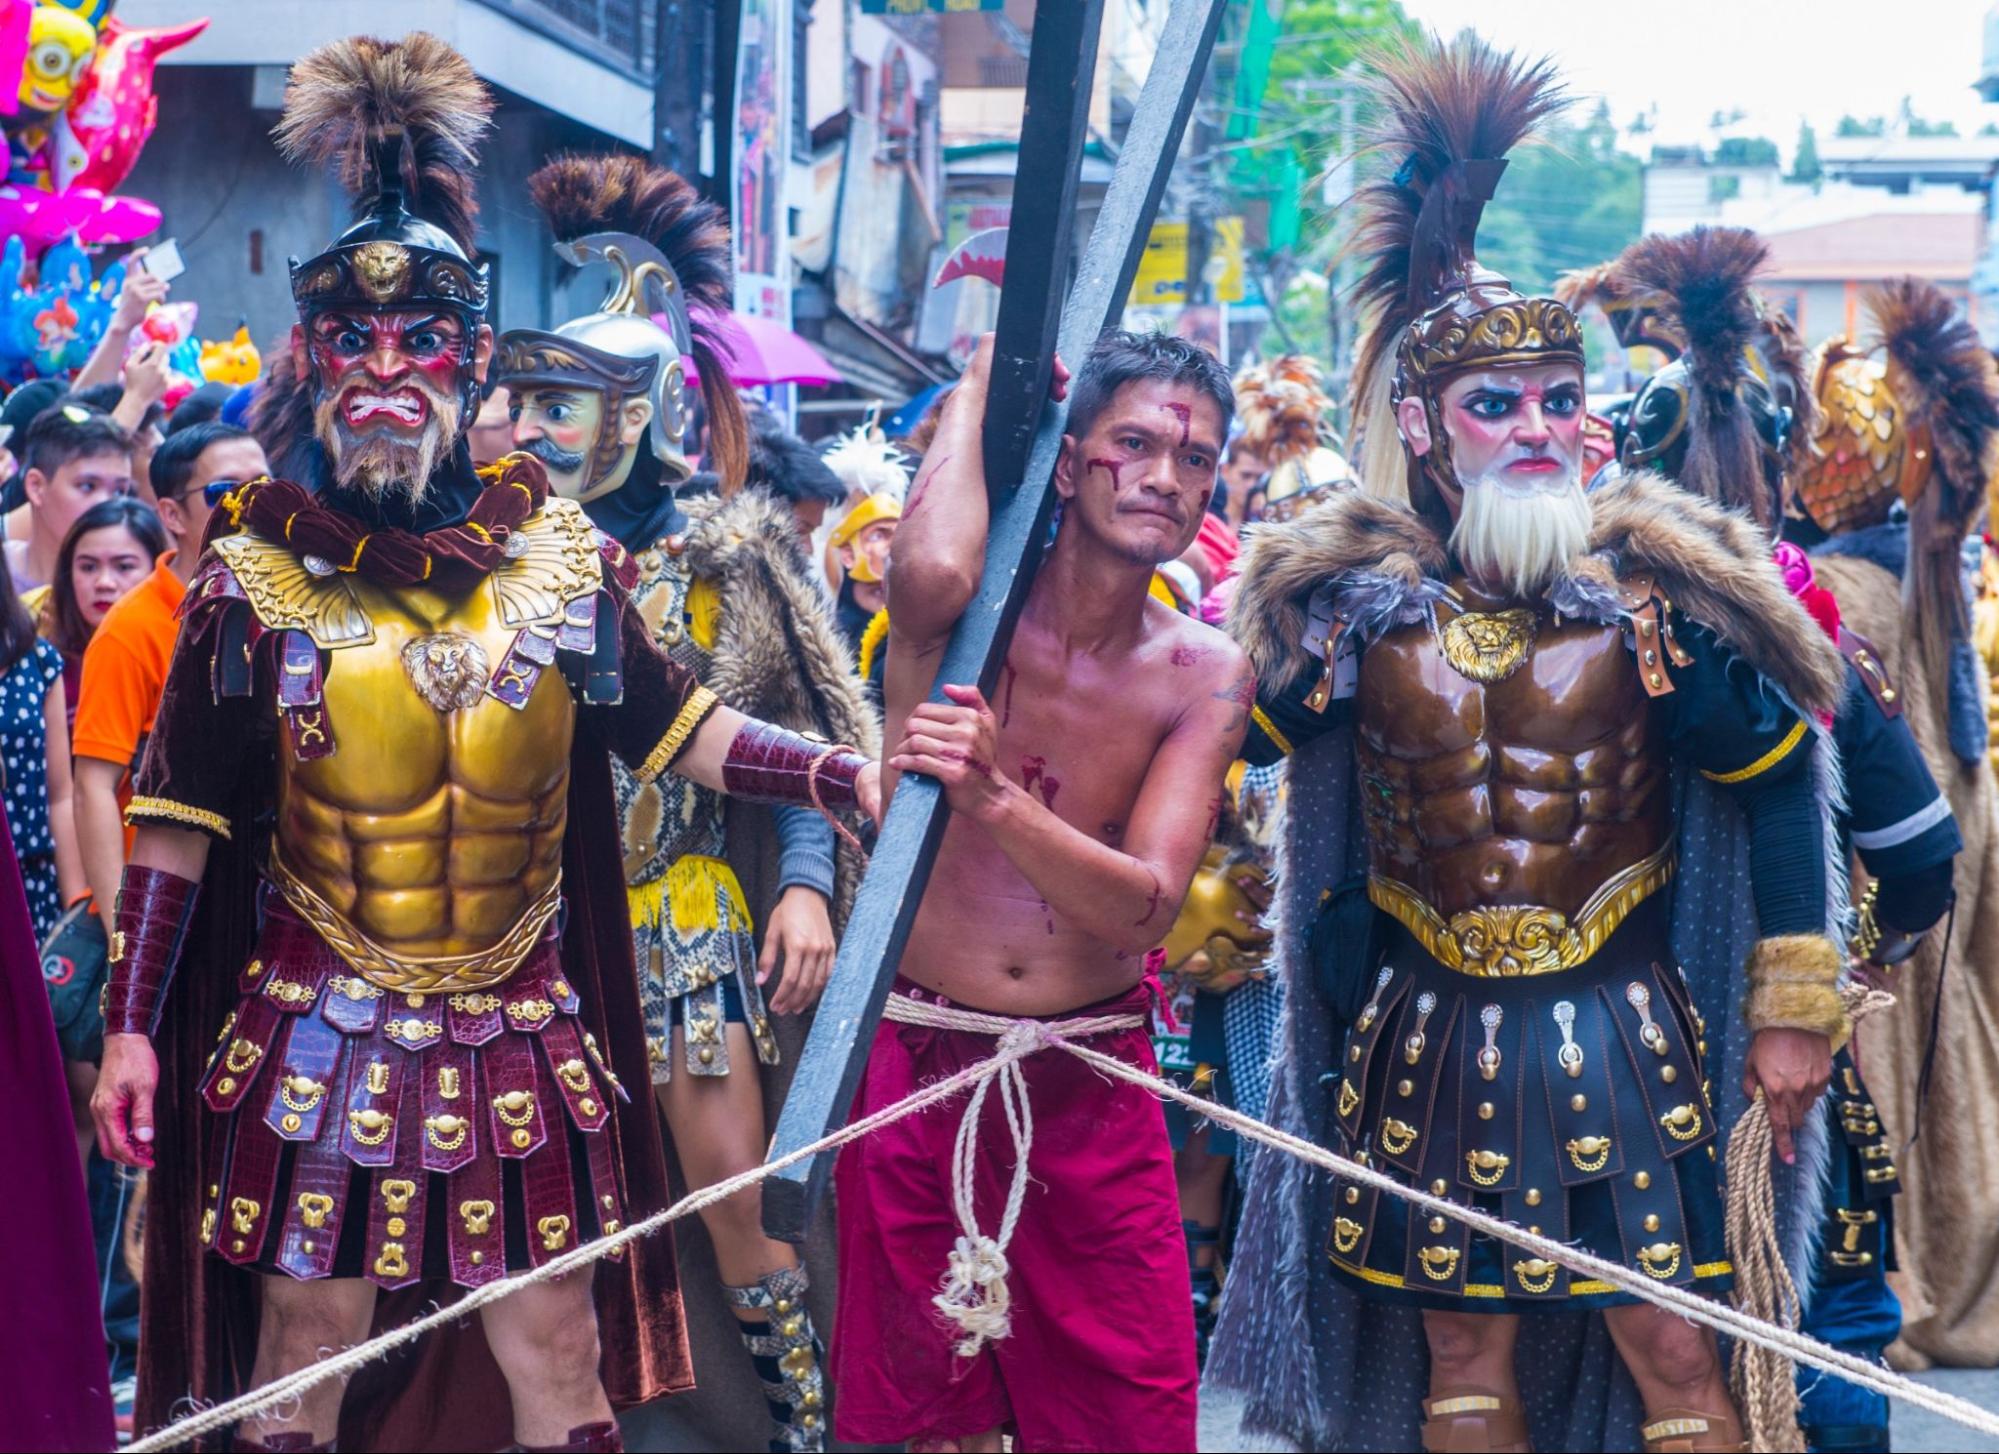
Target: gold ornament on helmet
[{"x": 1867, "y": 450}]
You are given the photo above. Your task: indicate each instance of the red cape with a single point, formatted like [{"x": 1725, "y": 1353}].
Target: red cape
[
  {"x": 198, "y": 1330},
  {"x": 54, "y": 1372}
]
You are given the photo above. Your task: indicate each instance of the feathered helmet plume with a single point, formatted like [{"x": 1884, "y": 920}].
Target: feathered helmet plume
[
  {"x": 1286, "y": 420},
  {"x": 1450, "y": 111},
  {"x": 399, "y": 122},
  {"x": 670, "y": 248},
  {"x": 1712, "y": 419}
]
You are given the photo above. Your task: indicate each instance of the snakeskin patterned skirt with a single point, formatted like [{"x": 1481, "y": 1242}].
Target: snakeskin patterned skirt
[
  {"x": 362, "y": 1133},
  {"x": 1574, "y": 1103}
]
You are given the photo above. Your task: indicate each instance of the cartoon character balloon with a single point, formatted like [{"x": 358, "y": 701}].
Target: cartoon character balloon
[
  {"x": 234, "y": 362},
  {"x": 77, "y": 118},
  {"x": 52, "y": 316}
]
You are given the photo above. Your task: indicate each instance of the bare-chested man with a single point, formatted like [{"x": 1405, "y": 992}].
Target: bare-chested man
[{"x": 1082, "y": 797}]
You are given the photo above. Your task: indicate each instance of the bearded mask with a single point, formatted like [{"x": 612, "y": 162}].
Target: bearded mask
[{"x": 391, "y": 393}]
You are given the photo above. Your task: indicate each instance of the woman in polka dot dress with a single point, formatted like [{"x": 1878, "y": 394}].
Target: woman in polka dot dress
[{"x": 34, "y": 762}]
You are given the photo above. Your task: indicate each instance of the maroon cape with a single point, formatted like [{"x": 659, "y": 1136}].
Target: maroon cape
[
  {"x": 198, "y": 1328},
  {"x": 54, "y": 1378}
]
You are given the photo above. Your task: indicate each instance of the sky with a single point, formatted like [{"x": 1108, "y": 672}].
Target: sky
[{"x": 1781, "y": 60}]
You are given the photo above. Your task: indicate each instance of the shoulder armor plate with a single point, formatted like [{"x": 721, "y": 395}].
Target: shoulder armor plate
[
  {"x": 560, "y": 563},
  {"x": 287, "y": 597}
]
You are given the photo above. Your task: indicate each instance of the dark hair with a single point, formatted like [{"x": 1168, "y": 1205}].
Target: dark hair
[
  {"x": 67, "y": 431},
  {"x": 200, "y": 406},
  {"x": 787, "y": 466},
  {"x": 17, "y": 628},
  {"x": 1119, "y": 358},
  {"x": 101, "y": 397},
  {"x": 175, "y": 459},
  {"x": 62, "y": 620},
  {"x": 106, "y": 397}
]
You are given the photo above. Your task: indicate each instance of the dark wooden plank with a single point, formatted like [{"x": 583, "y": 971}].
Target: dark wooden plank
[
  {"x": 1054, "y": 124},
  {"x": 836, "y": 1052}
]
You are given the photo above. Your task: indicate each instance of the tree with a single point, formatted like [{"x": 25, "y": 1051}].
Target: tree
[
  {"x": 1805, "y": 165},
  {"x": 1576, "y": 199},
  {"x": 1746, "y": 151},
  {"x": 1914, "y": 125},
  {"x": 1854, "y": 126}
]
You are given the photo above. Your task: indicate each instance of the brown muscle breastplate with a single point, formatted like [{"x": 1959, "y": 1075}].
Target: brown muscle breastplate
[{"x": 1533, "y": 786}]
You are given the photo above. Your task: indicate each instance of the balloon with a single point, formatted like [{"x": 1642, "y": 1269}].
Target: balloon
[
  {"x": 234, "y": 362},
  {"x": 60, "y": 47},
  {"x": 98, "y": 139},
  {"x": 51, "y": 324}
]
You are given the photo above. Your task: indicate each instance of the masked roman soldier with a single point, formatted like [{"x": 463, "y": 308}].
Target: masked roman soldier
[
  {"x": 1714, "y": 414},
  {"x": 1891, "y": 485},
  {"x": 374, "y": 838},
  {"x": 1553, "y": 879},
  {"x": 731, "y": 909},
  {"x": 1287, "y": 423}
]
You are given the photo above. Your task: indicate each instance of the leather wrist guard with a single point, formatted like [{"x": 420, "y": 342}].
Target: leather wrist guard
[
  {"x": 767, "y": 764},
  {"x": 1794, "y": 985},
  {"x": 154, "y": 908}
]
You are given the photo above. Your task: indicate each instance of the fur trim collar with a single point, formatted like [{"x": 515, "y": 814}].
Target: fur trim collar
[{"x": 1713, "y": 565}]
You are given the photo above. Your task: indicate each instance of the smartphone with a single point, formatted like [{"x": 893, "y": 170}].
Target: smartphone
[{"x": 164, "y": 261}]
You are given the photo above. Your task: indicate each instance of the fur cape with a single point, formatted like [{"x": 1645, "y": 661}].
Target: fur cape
[
  {"x": 1298, "y": 1356},
  {"x": 1946, "y": 1241},
  {"x": 777, "y": 656},
  {"x": 1711, "y": 563}
]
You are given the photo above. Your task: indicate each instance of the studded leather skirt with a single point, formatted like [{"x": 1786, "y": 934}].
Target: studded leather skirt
[
  {"x": 1572, "y": 1102},
  {"x": 356, "y": 1132}
]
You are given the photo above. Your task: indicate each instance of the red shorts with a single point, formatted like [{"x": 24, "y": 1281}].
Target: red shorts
[{"x": 1102, "y": 1350}]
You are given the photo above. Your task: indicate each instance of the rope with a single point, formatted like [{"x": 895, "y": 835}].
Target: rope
[
  {"x": 1759, "y": 1376},
  {"x": 975, "y": 1295},
  {"x": 1718, "y": 1316},
  {"x": 280, "y": 1391}
]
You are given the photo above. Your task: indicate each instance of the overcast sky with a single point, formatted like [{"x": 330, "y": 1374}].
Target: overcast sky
[{"x": 1780, "y": 60}]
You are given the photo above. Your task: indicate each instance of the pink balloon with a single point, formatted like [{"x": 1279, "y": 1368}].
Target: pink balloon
[
  {"x": 41, "y": 218},
  {"x": 98, "y": 139}
]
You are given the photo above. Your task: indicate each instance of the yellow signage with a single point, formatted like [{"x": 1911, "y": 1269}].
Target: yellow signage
[{"x": 1162, "y": 268}]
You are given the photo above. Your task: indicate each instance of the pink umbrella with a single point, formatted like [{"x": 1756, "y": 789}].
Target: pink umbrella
[{"x": 763, "y": 352}]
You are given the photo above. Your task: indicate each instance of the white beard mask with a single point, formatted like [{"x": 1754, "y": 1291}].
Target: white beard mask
[{"x": 1516, "y": 535}]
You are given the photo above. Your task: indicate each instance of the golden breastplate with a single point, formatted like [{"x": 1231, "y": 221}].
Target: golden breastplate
[
  {"x": 1508, "y": 760},
  {"x": 427, "y": 848}
]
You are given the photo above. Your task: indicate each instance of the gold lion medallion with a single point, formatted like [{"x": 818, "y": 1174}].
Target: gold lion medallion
[
  {"x": 447, "y": 670},
  {"x": 1489, "y": 647},
  {"x": 382, "y": 269}
]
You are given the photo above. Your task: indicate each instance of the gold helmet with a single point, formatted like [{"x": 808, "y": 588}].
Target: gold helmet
[
  {"x": 1451, "y": 111},
  {"x": 1868, "y": 450},
  {"x": 1918, "y": 414}
]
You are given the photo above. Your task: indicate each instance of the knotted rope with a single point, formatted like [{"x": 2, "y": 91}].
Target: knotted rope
[
  {"x": 1760, "y": 1376},
  {"x": 1719, "y": 1316},
  {"x": 975, "y": 1294}
]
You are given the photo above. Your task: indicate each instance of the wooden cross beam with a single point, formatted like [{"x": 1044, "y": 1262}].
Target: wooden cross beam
[{"x": 1023, "y": 439}]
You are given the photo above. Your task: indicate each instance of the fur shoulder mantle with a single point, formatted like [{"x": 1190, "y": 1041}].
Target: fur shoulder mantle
[
  {"x": 777, "y": 653},
  {"x": 1387, "y": 565}
]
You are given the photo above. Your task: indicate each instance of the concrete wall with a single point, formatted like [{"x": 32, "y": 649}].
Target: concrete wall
[{"x": 227, "y": 196}]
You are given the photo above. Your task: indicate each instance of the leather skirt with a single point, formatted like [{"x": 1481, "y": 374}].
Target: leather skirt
[
  {"x": 1574, "y": 1103},
  {"x": 358, "y": 1132}
]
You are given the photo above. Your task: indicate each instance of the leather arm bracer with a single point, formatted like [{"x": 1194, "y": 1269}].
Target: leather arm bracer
[
  {"x": 154, "y": 909},
  {"x": 767, "y": 764}
]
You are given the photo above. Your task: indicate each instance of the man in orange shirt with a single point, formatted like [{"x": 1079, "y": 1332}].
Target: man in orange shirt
[{"x": 125, "y": 667}]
